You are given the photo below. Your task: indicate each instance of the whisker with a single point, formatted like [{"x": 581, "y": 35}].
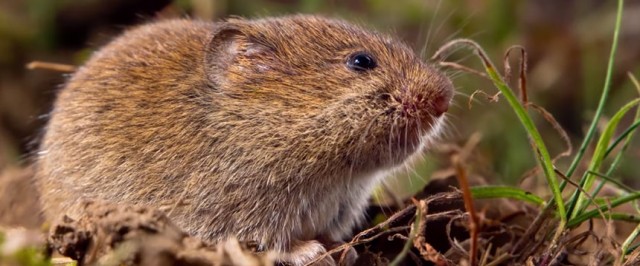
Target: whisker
[
  {"x": 391, "y": 138},
  {"x": 362, "y": 139},
  {"x": 415, "y": 173},
  {"x": 464, "y": 24},
  {"x": 426, "y": 42},
  {"x": 450, "y": 130},
  {"x": 443, "y": 21},
  {"x": 421, "y": 31},
  {"x": 405, "y": 164}
]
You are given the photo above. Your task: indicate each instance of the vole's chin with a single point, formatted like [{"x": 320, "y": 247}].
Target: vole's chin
[
  {"x": 414, "y": 143},
  {"x": 430, "y": 136}
]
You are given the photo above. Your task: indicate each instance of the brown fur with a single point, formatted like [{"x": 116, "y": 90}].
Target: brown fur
[{"x": 250, "y": 128}]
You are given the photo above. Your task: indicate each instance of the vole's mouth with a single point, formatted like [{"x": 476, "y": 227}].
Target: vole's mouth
[
  {"x": 420, "y": 108},
  {"x": 417, "y": 117},
  {"x": 407, "y": 122},
  {"x": 412, "y": 134},
  {"x": 421, "y": 115}
]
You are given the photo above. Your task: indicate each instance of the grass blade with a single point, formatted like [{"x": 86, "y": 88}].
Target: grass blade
[
  {"x": 622, "y": 216},
  {"x": 542, "y": 154},
  {"x": 489, "y": 192},
  {"x": 578, "y": 200},
  {"x": 617, "y": 183},
  {"x": 605, "y": 93},
  {"x": 627, "y": 243},
  {"x": 626, "y": 136},
  {"x": 604, "y": 207}
]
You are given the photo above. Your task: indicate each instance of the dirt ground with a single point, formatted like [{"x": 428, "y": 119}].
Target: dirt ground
[
  {"x": 142, "y": 236},
  {"x": 136, "y": 235}
]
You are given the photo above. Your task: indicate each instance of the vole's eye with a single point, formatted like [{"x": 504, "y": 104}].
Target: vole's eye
[{"x": 361, "y": 61}]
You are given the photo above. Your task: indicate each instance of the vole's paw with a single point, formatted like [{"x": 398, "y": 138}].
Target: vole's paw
[
  {"x": 349, "y": 258},
  {"x": 346, "y": 257},
  {"x": 307, "y": 253}
]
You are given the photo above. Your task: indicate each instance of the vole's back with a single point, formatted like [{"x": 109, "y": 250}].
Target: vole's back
[
  {"x": 123, "y": 127},
  {"x": 140, "y": 123}
]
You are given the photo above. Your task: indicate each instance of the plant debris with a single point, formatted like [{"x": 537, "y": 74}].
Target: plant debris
[{"x": 111, "y": 234}]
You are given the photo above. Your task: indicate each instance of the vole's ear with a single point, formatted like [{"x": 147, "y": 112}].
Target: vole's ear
[{"x": 231, "y": 41}]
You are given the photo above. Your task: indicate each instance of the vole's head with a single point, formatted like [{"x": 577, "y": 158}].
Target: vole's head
[{"x": 338, "y": 86}]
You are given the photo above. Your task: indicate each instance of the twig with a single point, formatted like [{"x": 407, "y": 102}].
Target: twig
[
  {"x": 363, "y": 237},
  {"x": 499, "y": 260},
  {"x": 457, "y": 160},
  {"x": 531, "y": 231},
  {"x": 485, "y": 255},
  {"x": 587, "y": 195},
  {"x": 346, "y": 246},
  {"x": 492, "y": 98},
  {"x": 522, "y": 80},
  {"x": 427, "y": 251},
  {"x": 457, "y": 66},
  {"x": 415, "y": 228},
  {"x": 563, "y": 135},
  {"x": 558, "y": 128},
  {"x": 51, "y": 66}
]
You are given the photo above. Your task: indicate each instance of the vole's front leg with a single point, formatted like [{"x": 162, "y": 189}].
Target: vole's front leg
[
  {"x": 305, "y": 252},
  {"x": 350, "y": 256}
]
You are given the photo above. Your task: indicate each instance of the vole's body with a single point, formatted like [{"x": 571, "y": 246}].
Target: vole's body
[{"x": 249, "y": 128}]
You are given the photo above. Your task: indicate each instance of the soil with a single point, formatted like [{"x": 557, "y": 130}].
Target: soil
[{"x": 136, "y": 235}]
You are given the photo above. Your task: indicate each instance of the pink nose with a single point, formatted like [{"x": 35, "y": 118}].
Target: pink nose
[{"x": 441, "y": 105}]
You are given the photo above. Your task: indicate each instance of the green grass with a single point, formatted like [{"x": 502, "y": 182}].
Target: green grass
[
  {"x": 579, "y": 207},
  {"x": 541, "y": 151},
  {"x": 489, "y": 192}
]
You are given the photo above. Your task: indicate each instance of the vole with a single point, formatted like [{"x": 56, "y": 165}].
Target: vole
[{"x": 273, "y": 130}]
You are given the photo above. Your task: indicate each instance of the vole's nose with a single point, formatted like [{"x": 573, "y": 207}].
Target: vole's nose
[
  {"x": 425, "y": 106},
  {"x": 437, "y": 93},
  {"x": 427, "y": 101},
  {"x": 441, "y": 104}
]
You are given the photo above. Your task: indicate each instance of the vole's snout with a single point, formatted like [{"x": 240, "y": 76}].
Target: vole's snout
[
  {"x": 425, "y": 105},
  {"x": 440, "y": 104},
  {"x": 442, "y": 96}
]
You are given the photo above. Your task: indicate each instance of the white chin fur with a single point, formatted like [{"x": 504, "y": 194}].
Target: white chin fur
[
  {"x": 433, "y": 135},
  {"x": 426, "y": 142}
]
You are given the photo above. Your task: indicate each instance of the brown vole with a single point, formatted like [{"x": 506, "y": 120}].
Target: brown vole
[{"x": 273, "y": 130}]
